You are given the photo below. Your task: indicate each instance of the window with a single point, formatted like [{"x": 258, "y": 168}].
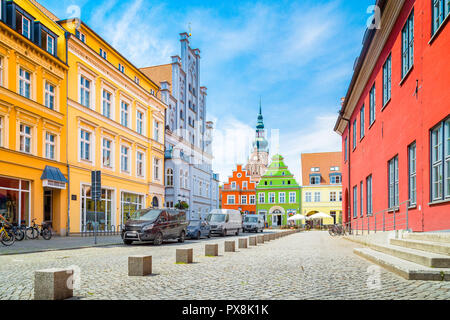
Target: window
[
  {"x": 243, "y": 199},
  {"x": 106, "y": 103},
  {"x": 315, "y": 169},
  {"x": 181, "y": 179},
  {"x": 244, "y": 185},
  {"x": 316, "y": 196},
  {"x": 440, "y": 158},
  {"x": 169, "y": 177},
  {"x": 1, "y": 71},
  {"x": 369, "y": 203},
  {"x": 334, "y": 169},
  {"x": 139, "y": 164},
  {"x": 408, "y": 45},
  {"x": 441, "y": 9},
  {"x": 156, "y": 130},
  {"x": 292, "y": 197},
  {"x": 139, "y": 122},
  {"x": 124, "y": 159},
  {"x": 345, "y": 149},
  {"x": 372, "y": 104},
  {"x": 387, "y": 80},
  {"x": 50, "y": 145},
  {"x": 354, "y": 134},
  {"x": 261, "y": 197},
  {"x": 80, "y": 36},
  {"x": 336, "y": 179},
  {"x": 136, "y": 79},
  {"x": 23, "y": 25},
  {"x": 85, "y": 92},
  {"x": 25, "y": 83},
  {"x": 271, "y": 197},
  {"x": 412, "y": 173},
  {"x": 361, "y": 200},
  {"x": 230, "y": 199},
  {"x": 85, "y": 145},
  {"x": 252, "y": 199},
  {"x": 355, "y": 201},
  {"x": 124, "y": 113},
  {"x": 49, "y": 95},
  {"x": 333, "y": 196},
  {"x": 106, "y": 153},
  {"x": 308, "y": 197},
  {"x": 103, "y": 53},
  {"x": 393, "y": 183},
  {"x": 340, "y": 196},
  {"x": 233, "y": 185},
  {"x": 361, "y": 123},
  {"x": 25, "y": 138},
  {"x": 121, "y": 68},
  {"x": 282, "y": 197},
  {"x": 156, "y": 170},
  {"x": 314, "y": 180},
  {"x": 48, "y": 42}
]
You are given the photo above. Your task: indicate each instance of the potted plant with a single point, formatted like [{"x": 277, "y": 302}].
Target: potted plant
[{"x": 181, "y": 205}]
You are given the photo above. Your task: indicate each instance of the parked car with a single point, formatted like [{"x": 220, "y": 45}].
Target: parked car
[
  {"x": 155, "y": 225},
  {"x": 225, "y": 221},
  {"x": 197, "y": 229},
  {"x": 253, "y": 223}
]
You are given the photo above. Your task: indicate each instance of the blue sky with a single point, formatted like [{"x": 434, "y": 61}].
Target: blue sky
[{"x": 297, "y": 55}]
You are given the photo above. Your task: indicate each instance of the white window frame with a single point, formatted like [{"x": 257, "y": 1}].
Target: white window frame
[
  {"x": 156, "y": 131},
  {"x": 2, "y": 71},
  {"x": 29, "y": 27},
  {"x": 127, "y": 157},
  {"x": 103, "y": 54},
  {"x": 243, "y": 199},
  {"x": 125, "y": 112},
  {"x": 84, "y": 142},
  {"x": 107, "y": 104},
  {"x": 141, "y": 163},
  {"x": 252, "y": 199},
  {"x": 282, "y": 197},
  {"x": 140, "y": 122},
  {"x": 272, "y": 197},
  {"x": 292, "y": 197},
  {"x": 23, "y": 136},
  {"x": 156, "y": 169},
  {"x": 169, "y": 177},
  {"x": 233, "y": 185},
  {"x": 308, "y": 196},
  {"x": 49, "y": 144},
  {"x": 261, "y": 197},
  {"x": 48, "y": 95},
  {"x": 50, "y": 48},
  {"x": 317, "y": 196},
  {"x": 231, "y": 197},
  {"x": 23, "y": 82},
  {"x": 85, "y": 90},
  {"x": 111, "y": 153},
  {"x": 333, "y": 196}
]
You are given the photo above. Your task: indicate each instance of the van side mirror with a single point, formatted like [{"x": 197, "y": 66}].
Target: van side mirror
[{"x": 227, "y": 219}]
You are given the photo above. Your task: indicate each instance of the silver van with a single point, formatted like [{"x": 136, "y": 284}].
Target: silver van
[
  {"x": 225, "y": 221},
  {"x": 253, "y": 223}
]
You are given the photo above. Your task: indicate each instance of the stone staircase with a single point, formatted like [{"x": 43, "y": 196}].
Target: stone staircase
[{"x": 414, "y": 256}]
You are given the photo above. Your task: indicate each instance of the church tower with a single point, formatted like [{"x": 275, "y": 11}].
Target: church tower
[{"x": 259, "y": 158}]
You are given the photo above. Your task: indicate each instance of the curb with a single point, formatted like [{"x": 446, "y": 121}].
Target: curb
[{"x": 60, "y": 249}]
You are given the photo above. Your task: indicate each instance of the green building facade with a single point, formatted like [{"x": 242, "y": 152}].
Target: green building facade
[{"x": 277, "y": 194}]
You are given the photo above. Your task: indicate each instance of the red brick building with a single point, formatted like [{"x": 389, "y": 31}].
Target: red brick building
[
  {"x": 239, "y": 193},
  {"x": 395, "y": 121}
]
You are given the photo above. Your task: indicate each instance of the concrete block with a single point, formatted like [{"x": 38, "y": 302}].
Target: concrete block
[
  {"x": 243, "y": 243},
  {"x": 266, "y": 237},
  {"x": 53, "y": 284},
  {"x": 139, "y": 265},
  {"x": 272, "y": 236},
  {"x": 230, "y": 246},
  {"x": 184, "y": 255},
  {"x": 261, "y": 239},
  {"x": 253, "y": 240},
  {"x": 211, "y": 250}
]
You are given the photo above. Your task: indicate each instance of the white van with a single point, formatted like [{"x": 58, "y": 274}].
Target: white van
[
  {"x": 225, "y": 221},
  {"x": 253, "y": 223}
]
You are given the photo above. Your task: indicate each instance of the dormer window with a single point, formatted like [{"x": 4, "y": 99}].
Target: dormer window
[
  {"x": 103, "y": 53},
  {"x": 80, "y": 36},
  {"x": 23, "y": 25},
  {"x": 136, "y": 79},
  {"x": 121, "y": 68}
]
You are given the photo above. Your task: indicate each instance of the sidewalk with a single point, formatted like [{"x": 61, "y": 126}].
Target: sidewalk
[{"x": 58, "y": 243}]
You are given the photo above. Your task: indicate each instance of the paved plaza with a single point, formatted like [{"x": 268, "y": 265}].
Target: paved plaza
[{"x": 310, "y": 265}]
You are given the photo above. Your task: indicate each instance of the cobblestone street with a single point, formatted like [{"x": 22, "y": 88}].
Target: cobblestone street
[{"x": 308, "y": 265}]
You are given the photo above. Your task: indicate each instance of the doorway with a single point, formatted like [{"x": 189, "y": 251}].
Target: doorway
[{"x": 48, "y": 205}]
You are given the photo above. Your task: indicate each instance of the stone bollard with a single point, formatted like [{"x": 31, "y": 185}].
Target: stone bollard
[
  {"x": 211, "y": 250},
  {"x": 253, "y": 241},
  {"x": 272, "y": 236},
  {"x": 266, "y": 237},
  {"x": 53, "y": 284},
  {"x": 139, "y": 265},
  {"x": 260, "y": 239},
  {"x": 230, "y": 246},
  {"x": 184, "y": 255},
  {"x": 243, "y": 243}
]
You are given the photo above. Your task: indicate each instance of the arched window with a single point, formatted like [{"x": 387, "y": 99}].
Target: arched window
[
  {"x": 155, "y": 202},
  {"x": 169, "y": 177}
]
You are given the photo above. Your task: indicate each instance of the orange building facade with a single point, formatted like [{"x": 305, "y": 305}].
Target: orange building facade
[{"x": 239, "y": 193}]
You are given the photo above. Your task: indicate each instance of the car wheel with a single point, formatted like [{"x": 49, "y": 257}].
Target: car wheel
[
  {"x": 198, "y": 236},
  {"x": 128, "y": 242},
  {"x": 224, "y": 232},
  {"x": 182, "y": 237},
  {"x": 158, "y": 239},
  {"x": 209, "y": 235},
  {"x": 237, "y": 232}
]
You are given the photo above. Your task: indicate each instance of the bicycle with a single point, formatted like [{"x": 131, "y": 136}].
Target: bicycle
[
  {"x": 18, "y": 232},
  {"x": 336, "y": 230},
  {"x": 7, "y": 236},
  {"x": 35, "y": 230}
]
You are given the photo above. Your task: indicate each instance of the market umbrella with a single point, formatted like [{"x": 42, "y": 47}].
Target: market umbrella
[
  {"x": 297, "y": 217},
  {"x": 320, "y": 215}
]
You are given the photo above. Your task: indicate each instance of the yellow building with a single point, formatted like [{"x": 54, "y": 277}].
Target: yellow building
[
  {"x": 322, "y": 185},
  {"x": 33, "y": 73},
  {"x": 116, "y": 125}
]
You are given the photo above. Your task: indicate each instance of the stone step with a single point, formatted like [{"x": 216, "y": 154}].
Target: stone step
[
  {"x": 428, "y": 246},
  {"x": 428, "y": 236},
  {"x": 406, "y": 269},
  {"x": 428, "y": 259}
]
